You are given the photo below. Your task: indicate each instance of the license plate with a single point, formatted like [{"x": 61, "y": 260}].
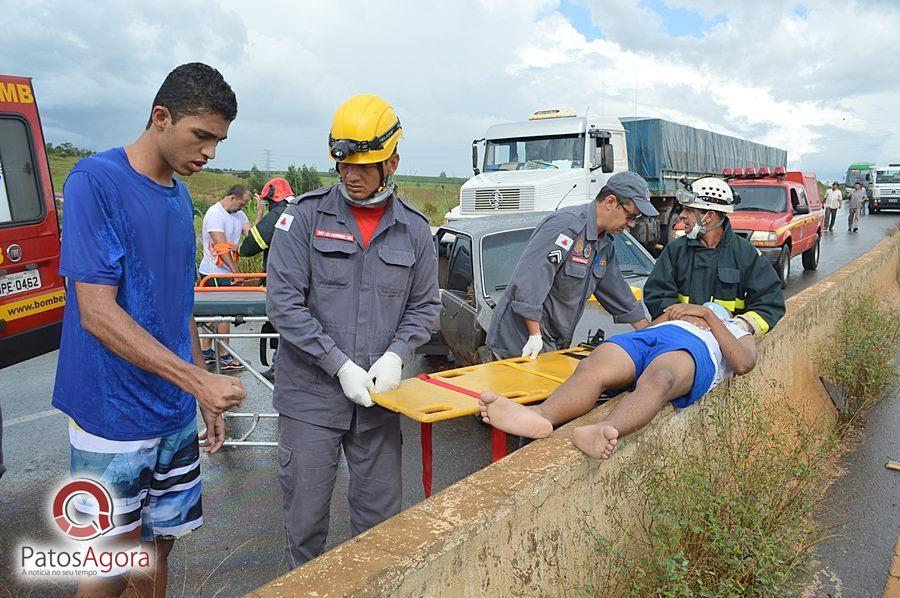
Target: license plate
[{"x": 19, "y": 282}]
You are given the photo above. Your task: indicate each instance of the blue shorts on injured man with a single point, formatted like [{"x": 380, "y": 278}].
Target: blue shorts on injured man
[
  {"x": 154, "y": 483},
  {"x": 645, "y": 345}
]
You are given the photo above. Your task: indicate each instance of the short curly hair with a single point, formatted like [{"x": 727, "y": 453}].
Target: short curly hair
[{"x": 195, "y": 88}]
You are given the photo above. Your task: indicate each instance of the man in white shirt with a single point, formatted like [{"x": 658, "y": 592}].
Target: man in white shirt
[
  {"x": 223, "y": 226},
  {"x": 833, "y": 200},
  {"x": 670, "y": 361}
]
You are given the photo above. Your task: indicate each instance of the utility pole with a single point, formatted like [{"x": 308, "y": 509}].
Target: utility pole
[{"x": 268, "y": 155}]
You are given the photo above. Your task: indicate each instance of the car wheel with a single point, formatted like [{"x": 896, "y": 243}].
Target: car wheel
[
  {"x": 811, "y": 256},
  {"x": 783, "y": 265}
]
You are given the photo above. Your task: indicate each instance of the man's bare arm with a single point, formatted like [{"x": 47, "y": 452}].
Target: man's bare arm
[
  {"x": 219, "y": 237},
  {"x": 102, "y": 317}
]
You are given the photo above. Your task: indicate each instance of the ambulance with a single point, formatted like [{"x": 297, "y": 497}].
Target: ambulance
[{"x": 32, "y": 293}]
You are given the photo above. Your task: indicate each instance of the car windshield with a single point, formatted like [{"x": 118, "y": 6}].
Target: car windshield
[
  {"x": 500, "y": 252},
  {"x": 765, "y": 199},
  {"x": 887, "y": 176},
  {"x": 561, "y": 152}
]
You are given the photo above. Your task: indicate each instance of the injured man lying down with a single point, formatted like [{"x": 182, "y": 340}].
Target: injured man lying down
[{"x": 683, "y": 355}]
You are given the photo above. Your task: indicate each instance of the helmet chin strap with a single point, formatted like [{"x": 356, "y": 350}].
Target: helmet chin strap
[{"x": 377, "y": 198}]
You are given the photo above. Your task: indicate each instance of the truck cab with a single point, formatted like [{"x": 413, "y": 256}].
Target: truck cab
[
  {"x": 32, "y": 293},
  {"x": 886, "y": 189},
  {"x": 780, "y": 213},
  {"x": 552, "y": 160}
]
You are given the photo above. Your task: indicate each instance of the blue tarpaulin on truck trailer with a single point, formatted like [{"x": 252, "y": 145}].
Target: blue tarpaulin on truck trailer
[{"x": 661, "y": 151}]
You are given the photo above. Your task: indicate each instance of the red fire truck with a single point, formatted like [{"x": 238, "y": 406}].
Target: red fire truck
[{"x": 32, "y": 293}]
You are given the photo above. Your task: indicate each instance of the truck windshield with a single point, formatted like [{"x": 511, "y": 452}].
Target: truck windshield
[
  {"x": 858, "y": 176},
  {"x": 887, "y": 176},
  {"x": 765, "y": 199},
  {"x": 559, "y": 152},
  {"x": 500, "y": 252},
  {"x": 20, "y": 201}
]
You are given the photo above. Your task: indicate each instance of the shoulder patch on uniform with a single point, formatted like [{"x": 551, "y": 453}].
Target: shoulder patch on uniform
[
  {"x": 564, "y": 241},
  {"x": 284, "y": 223}
]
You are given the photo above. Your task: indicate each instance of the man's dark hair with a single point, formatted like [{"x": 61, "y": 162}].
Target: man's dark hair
[
  {"x": 238, "y": 190},
  {"x": 196, "y": 88}
]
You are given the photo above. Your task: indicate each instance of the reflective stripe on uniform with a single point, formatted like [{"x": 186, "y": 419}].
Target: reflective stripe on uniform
[
  {"x": 733, "y": 305},
  {"x": 258, "y": 238},
  {"x": 684, "y": 298},
  {"x": 760, "y": 322}
]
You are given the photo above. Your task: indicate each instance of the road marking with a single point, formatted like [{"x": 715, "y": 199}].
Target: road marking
[{"x": 33, "y": 416}]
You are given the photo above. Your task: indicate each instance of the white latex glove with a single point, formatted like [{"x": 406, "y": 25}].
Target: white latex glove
[
  {"x": 356, "y": 383},
  {"x": 533, "y": 347},
  {"x": 386, "y": 371}
]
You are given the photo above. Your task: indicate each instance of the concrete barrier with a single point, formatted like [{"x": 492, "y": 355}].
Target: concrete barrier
[{"x": 525, "y": 526}]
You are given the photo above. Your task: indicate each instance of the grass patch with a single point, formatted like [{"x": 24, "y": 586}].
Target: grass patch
[
  {"x": 858, "y": 358},
  {"x": 727, "y": 516}
]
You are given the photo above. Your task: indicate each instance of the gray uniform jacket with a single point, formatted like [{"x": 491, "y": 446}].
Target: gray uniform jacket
[
  {"x": 332, "y": 300},
  {"x": 565, "y": 261}
]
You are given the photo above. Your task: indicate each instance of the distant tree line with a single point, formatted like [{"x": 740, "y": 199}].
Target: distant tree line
[
  {"x": 301, "y": 180},
  {"x": 68, "y": 150}
]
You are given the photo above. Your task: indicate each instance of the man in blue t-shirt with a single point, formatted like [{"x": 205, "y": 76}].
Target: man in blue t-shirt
[{"x": 130, "y": 373}]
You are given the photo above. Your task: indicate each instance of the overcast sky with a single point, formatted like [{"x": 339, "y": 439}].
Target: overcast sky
[{"x": 819, "y": 79}]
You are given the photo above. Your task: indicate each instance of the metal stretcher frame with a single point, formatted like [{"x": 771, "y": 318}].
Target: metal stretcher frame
[{"x": 234, "y": 305}]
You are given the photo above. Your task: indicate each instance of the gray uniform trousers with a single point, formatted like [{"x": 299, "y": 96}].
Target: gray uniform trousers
[{"x": 307, "y": 464}]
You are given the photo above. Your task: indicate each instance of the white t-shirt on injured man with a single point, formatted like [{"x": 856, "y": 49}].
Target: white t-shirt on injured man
[
  {"x": 217, "y": 219},
  {"x": 712, "y": 345}
]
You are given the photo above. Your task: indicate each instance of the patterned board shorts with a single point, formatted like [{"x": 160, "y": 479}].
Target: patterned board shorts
[{"x": 154, "y": 483}]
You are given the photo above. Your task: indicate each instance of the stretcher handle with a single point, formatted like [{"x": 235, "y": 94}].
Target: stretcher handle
[{"x": 231, "y": 289}]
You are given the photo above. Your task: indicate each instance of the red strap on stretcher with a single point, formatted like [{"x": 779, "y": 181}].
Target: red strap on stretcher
[
  {"x": 448, "y": 386},
  {"x": 498, "y": 437}
]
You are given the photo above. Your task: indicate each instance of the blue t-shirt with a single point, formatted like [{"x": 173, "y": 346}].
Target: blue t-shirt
[{"x": 122, "y": 229}]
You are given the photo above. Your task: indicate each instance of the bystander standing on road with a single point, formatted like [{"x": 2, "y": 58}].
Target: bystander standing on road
[
  {"x": 833, "y": 199},
  {"x": 857, "y": 197}
]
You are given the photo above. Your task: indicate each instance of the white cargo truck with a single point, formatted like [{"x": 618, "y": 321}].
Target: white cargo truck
[{"x": 556, "y": 159}]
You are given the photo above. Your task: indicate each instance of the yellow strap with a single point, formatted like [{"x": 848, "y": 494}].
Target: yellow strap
[
  {"x": 763, "y": 325},
  {"x": 684, "y": 298},
  {"x": 516, "y": 366},
  {"x": 258, "y": 238}
]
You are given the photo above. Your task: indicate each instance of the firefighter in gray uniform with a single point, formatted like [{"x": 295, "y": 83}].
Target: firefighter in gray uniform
[
  {"x": 352, "y": 290},
  {"x": 571, "y": 255}
]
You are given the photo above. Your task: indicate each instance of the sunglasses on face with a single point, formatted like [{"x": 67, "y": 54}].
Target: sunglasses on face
[{"x": 630, "y": 217}]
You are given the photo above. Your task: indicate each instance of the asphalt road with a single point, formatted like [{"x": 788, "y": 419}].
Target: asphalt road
[{"x": 240, "y": 544}]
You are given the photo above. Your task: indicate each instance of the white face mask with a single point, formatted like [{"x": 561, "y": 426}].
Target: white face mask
[
  {"x": 377, "y": 199},
  {"x": 699, "y": 230}
]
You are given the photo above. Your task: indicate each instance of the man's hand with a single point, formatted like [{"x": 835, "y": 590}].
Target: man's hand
[
  {"x": 533, "y": 347},
  {"x": 386, "y": 371},
  {"x": 356, "y": 383},
  {"x": 690, "y": 313},
  {"x": 218, "y": 393},
  {"x": 211, "y": 440}
]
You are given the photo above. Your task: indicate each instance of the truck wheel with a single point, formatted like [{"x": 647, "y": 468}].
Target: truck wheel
[
  {"x": 484, "y": 355},
  {"x": 674, "y": 214},
  {"x": 783, "y": 265},
  {"x": 811, "y": 256}
]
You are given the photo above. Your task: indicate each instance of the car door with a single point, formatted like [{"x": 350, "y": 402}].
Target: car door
[
  {"x": 808, "y": 227},
  {"x": 458, "y": 323}
]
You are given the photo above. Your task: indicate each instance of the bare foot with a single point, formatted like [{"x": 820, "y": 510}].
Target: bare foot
[
  {"x": 512, "y": 417},
  {"x": 597, "y": 440}
]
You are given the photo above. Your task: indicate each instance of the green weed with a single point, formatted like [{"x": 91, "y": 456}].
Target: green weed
[
  {"x": 729, "y": 517},
  {"x": 858, "y": 358}
]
